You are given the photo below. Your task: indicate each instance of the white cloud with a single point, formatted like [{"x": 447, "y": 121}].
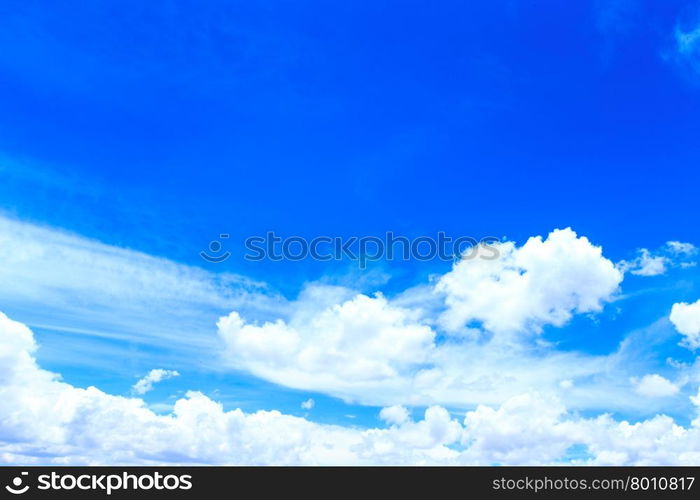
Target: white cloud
[
  {"x": 566, "y": 384},
  {"x": 536, "y": 429},
  {"x": 308, "y": 404},
  {"x": 542, "y": 283},
  {"x": 648, "y": 265},
  {"x": 46, "y": 421},
  {"x": 363, "y": 341},
  {"x": 696, "y": 399},
  {"x": 686, "y": 318},
  {"x": 654, "y": 386},
  {"x": 367, "y": 350},
  {"x": 43, "y": 420},
  {"x": 395, "y": 415},
  {"x": 525, "y": 429},
  {"x": 383, "y": 352},
  {"x": 153, "y": 377}
]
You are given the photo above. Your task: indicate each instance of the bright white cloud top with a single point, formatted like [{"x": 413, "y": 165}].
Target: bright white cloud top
[
  {"x": 686, "y": 318},
  {"x": 542, "y": 283}
]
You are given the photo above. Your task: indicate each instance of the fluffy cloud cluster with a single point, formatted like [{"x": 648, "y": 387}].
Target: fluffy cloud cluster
[
  {"x": 686, "y": 318},
  {"x": 361, "y": 342},
  {"x": 544, "y": 282},
  {"x": 377, "y": 351},
  {"x": 44, "y": 420},
  {"x": 535, "y": 429}
]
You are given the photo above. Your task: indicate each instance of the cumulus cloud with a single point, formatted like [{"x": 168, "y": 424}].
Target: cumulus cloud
[
  {"x": 415, "y": 349},
  {"x": 686, "y": 318},
  {"x": 46, "y": 421},
  {"x": 654, "y": 386},
  {"x": 647, "y": 263},
  {"x": 368, "y": 350},
  {"x": 525, "y": 429},
  {"x": 544, "y": 282},
  {"x": 362, "y": 341},
  {"x": 145, "y": 384},
  {"x": 395, "y": 415},
  {"x": 308, "y": 404}
]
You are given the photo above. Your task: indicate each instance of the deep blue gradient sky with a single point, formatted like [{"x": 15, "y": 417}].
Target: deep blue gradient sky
[
  {"x": 166, "y": 124},
  {"x": 159, "y": 125}
]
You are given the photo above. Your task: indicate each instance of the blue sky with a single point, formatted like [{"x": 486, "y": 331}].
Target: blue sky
[{"x": 134, "y": 131}]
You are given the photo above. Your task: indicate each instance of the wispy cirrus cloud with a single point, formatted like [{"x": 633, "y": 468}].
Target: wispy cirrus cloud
[{"x": 100, "y": 292}]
